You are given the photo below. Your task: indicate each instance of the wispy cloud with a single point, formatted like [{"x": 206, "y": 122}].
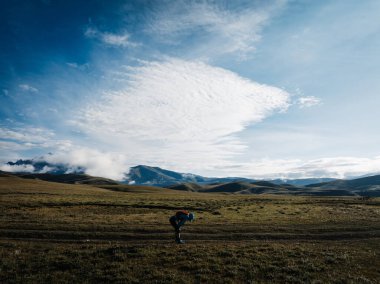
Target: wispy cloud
[
  {"x": 22, "y": 138},
  {"x": 334, "y": 167},
  {"x": 12, "y": 146},
  {"x": 28, "y": 88},
  {"x": 340, "y": 167},
  {"x": 75, "y": 65},
  {"x": 219, "y": 30},
  {"x": 309, "y": 101},
  {"x": 26, "y": 134},
  {"x": 180, "y": 114},
  {"x": 121, "y": 40}
]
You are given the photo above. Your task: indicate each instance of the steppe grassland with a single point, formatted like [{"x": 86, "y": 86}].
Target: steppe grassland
[{"x": 60, "y": 233}]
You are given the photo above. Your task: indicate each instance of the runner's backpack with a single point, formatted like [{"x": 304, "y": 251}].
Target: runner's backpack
[{"x": 182, "y": 212}]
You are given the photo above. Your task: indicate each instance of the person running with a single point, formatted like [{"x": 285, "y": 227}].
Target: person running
[{"x": 178, "y": 220}]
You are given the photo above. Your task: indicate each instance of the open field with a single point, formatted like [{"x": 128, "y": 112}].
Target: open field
[{"x": 51, "y": 232}]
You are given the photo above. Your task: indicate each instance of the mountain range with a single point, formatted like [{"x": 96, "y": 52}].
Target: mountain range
[
  {"x": 155, "y": 176},
  {"x": 147, "y": 175}
]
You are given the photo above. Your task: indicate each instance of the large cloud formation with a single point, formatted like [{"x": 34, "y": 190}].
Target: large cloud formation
[{"x": 179, "y": 114}]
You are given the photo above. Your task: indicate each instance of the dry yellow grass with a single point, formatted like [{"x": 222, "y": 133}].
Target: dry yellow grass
[{"x": 51, "y": 232}]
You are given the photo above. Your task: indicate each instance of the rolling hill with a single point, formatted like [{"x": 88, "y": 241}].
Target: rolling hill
[
  {"x": 368, "y": 186},
  {"x": 155, "y": 176},
  {"x": 64, "y": 178}
]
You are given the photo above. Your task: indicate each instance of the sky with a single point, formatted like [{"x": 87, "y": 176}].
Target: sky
[{"x": 259, "y": 89}]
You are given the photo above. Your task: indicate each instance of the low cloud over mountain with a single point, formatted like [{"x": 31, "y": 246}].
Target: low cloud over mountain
[{"x": 40, "y": 166}]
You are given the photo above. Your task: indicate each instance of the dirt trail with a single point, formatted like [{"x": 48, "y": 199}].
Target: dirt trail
[{"x": 57, "y": 235}]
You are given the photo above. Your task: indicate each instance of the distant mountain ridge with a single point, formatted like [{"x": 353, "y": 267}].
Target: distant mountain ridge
[
  {"x": 369, "y": 186},
  {"x": 155, "y": 176},
  {"x": 301, "y": 181},
  {"x": 42, "y": 166},
  {"x": 146, "y": 175}
]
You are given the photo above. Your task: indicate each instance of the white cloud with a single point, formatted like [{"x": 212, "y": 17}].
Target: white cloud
[
  {"x": 72, "y": 64},
  {"x": 340, "y": 167},
  {"x": 122, "y": 40},
  {"x": 179, "y": 114},
  {"x": 28, "y": 88},
  {"x": 26, "y": 134},
  {"x": 16, "y": 168},
  {"x": 335, "y": 167},
  {"x": 309, "y": 101},
  {"x": 220, "y": 30},
  {"x": 8, "y": 145},
  {"x": 24, "y": 138},
  {"x": 46, "y": 169},
  {"x": 75, "y": 65},
  {"x": 96, "y": 163},
  {"x": 114, "y": 39}
]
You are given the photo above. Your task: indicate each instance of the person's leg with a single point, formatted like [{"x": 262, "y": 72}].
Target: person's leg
[
  {"x": 177, "y": 235},
  {"x": 173, "y": 222}
]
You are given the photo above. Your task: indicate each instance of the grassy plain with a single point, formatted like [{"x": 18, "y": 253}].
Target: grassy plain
[{"x": 51, "y": 232}]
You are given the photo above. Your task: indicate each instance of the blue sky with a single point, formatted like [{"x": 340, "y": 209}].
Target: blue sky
[{"x": 220, "y": 88}]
